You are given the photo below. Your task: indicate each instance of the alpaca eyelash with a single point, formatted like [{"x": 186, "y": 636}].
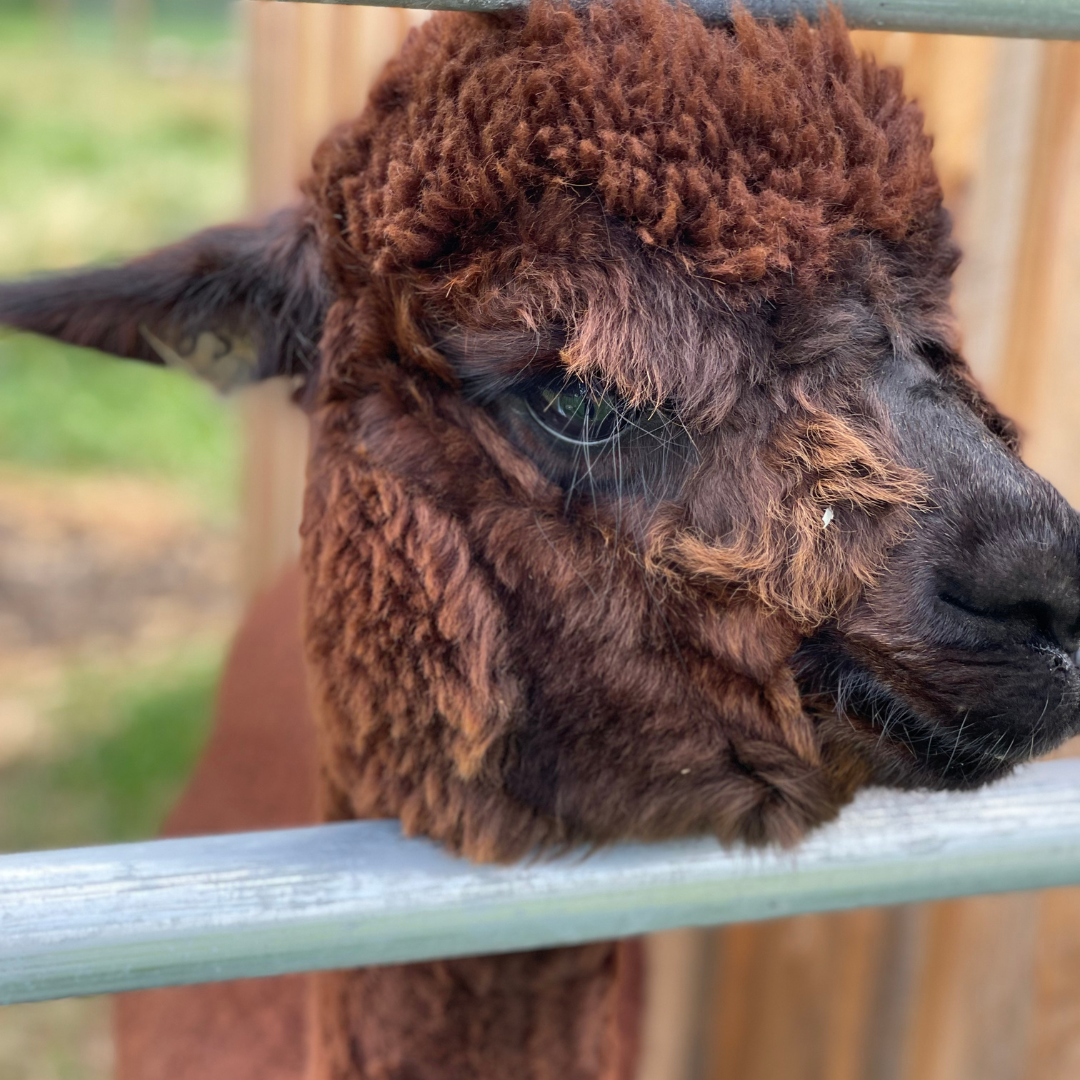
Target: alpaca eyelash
[
  {"x": 577, "y": 414},
  {"x": 592, "y": 443},
  {"x": 583, "y": 437}
]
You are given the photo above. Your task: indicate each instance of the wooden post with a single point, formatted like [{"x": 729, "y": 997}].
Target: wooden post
[
  {"x": 311, "y": 66},
  {"x": 1039, "y": 381}
]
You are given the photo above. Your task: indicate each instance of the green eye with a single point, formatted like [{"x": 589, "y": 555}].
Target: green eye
[{"x": 575, "y": 412}]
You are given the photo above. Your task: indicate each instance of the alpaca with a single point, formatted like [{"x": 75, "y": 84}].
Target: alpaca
[{"x": 649, "y": 493}]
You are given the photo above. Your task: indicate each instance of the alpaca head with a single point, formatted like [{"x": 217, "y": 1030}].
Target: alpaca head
[{"x": 648, "y": 493}]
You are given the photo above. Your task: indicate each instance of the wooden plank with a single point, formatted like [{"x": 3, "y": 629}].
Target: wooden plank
[
  {"x": 311, "y": 67},
  {"x": 1040, "y": 378},
  {"x": 971, "y": 1003},
  {"x": 1054, "y": 1043},
  {"x": 796, "y": 998},
  {"x": 678, "y": 967}
]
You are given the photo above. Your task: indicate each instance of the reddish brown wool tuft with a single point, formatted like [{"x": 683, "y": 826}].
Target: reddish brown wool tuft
[{"x": 751, "y": 151}]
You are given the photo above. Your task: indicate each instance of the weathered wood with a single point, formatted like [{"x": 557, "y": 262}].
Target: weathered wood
[
  {"x": 311, "y": 67},
  {"x": 1054, "y": 1043},
  {"x": 1039, "y": 380},
  {"x": 201, "y": 910},
  {"x": 797, "y": 998},
  {"x": 678, "y": 970}
]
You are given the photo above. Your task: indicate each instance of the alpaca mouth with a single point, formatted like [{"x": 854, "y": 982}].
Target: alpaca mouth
[{"x": 909, "y": 747}]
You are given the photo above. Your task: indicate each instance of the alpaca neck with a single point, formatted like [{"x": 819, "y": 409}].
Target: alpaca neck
[{"x": 557, "y": 1014}]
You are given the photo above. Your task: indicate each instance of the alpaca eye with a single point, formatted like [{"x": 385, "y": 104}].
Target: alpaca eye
[
  {"x": 588, "y": 441},
  {"x": 574, "y": 412}
]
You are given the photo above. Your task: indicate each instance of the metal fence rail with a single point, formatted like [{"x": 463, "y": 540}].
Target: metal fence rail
[
  {"x": 180, "y": 911},
  {"x": 997, "y": 18}
]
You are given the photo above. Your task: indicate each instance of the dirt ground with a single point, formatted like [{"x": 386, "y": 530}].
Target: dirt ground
[
  {"x": 95, "y": 572},
  {"x": 98, "y": 569},
  {"x": 57, "y": 1040}
]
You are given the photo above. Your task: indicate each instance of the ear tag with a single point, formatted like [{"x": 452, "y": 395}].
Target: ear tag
[
  {"x": 826, "y": 518},
  {"x": 223, "y": 361}
]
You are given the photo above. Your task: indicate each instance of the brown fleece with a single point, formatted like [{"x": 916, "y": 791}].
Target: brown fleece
[
  {"x": 567, "y": 1008},
  {"x": 560, "y": 1014},
  {"x": 490, "y": 661},
  {"x": 505, "y": 667},
  {"x": 258, "y": 771},
  {"x": 752, "y": 151}
]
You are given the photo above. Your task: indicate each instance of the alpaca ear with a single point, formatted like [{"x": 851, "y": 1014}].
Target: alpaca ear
[{"x": 232, "y": 304}]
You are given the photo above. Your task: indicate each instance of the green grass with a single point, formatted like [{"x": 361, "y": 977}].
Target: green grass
[
  {"x": 130, "y": 739},
  {"x": 100, "y": 160},
  {"x": 97, "y": 161},
  {"x": 76, "y": 411}
]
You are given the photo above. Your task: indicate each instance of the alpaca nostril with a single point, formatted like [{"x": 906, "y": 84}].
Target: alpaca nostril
[
  {"x": 1022, "y": 622},
  {"x": 1033, "y": 601}
]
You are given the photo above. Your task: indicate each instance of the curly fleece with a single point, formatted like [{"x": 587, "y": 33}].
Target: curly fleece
[
  {"x": 587, "y": 168},
  {"x": 750, "y": 150},
  {"x": 734, "y": 222}
]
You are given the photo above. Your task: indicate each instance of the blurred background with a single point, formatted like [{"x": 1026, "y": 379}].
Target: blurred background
[
  {"x": 138, "y": 511},
  {"x": 122, "y": 125}
]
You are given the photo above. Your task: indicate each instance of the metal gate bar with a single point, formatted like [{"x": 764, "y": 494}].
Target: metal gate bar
[
  {"x": 995, "y": 18},
  {"x": 168, "y": 912}
]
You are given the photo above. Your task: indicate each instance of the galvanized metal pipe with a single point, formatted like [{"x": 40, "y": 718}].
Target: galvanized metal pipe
[
  {"x": 183, "y": 911},
  {"x": 996, "y": 18}
]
